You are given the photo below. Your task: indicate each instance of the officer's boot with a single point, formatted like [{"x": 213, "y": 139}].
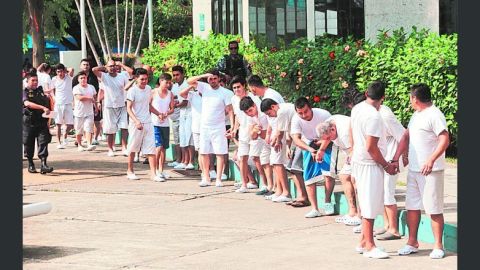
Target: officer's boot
[
  {"x": 45, "y": 169},
  {"x": 31, "y": 166}
]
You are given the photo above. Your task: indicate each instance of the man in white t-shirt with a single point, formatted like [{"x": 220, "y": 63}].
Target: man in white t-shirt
[
  {"x": 115, "y": 111},
  {"x": 369, "y": 164},
  {"x": 61, "y": 85},
  {"x": 213, "y": 134},
  {"x": 282, "y": 114},
  {"x": 85, "y": 108},
  {"x": 185, "y": 120},
  {"x": 426, "y": 139},
  {"x": 305, "y": 137},
  {"x": 336, "y": 129},
  {"x": 179, "y": 104},
  {"x": 241, "y": 126},
  {"x": 139, "y": 107}
]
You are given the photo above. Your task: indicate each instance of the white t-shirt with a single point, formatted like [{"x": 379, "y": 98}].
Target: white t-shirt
[
  {"x": 85, "y": 107},
  {"x": 243, "y": 119},
  {"x": 141, "y": 102},
  {"x": 125, "y": 74},
  {"x": 366, "y": 121},
  {"x": 187, "y": 110},
  {"x": 63, "y": 90},
  {"x": 342, "y": 123},
  {"x": 270, "y": 93},
  {"x": 424, "y": 128},
  {"x": 44, "y": 81},
  {"x": 113, "y": 90},
  {"x": 213, "y": 105},
  {"x": 285, "y": 114},
  {"x": 308, "y": 128},
  {"x": 176, "y": 94},
  {"x": 230, "y": 94},
  {"x": 393, "y": 127},
  {"x": 195, "y": 101}
]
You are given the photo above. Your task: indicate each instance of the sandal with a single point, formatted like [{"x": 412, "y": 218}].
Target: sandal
[
  {"x": 300, "y": 204},
  {"x": 352, "y": 221},
  {"x": 342, "y": 219},
  {"x": 290, "y": 202},
  {"x": 388, "y": 236},
  {"x": 437, "y": 253},
  {"x": 407, "y": 250},
  {"x": 379, "y": 231}
]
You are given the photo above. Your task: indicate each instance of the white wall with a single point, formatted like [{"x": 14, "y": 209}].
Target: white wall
[
  {"x": 202, "y": 7},
  {"x": 393, "y": 14},
  {"x": 71, "y": 59}
]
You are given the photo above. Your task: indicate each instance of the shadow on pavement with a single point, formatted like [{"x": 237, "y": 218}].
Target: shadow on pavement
[{"x": 46, "y": 253}]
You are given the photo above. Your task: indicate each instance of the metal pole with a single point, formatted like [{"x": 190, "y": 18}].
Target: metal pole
[
  {"x": 150, "y": 24},
  {"x": 82, "y": 29}
]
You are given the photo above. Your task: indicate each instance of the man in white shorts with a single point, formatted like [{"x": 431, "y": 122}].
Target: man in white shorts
[
  {"x": 305, "y": 137},
  {"x": 258, "y": 150},
  {"x": 61, "y": 85},
  {"x": 115, "y": 111},
  {"x": 283, "y": 113},
  {"x": 336, "y": 129},
  {"x": 85, "y": 108},
  {"x": 369, "y": 164},
  {"x": 179, "y": 103},
  {"x": 427, "y": 139},
  {"x": 242, "y": 126},
  {"x": 195, "y": 100},
  {"x": 213, "y": 134},
  {"x": 139, "y": 100}
]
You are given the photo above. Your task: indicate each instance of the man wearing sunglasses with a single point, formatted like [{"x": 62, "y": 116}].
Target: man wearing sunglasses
[{"x": 234, "y": 63}]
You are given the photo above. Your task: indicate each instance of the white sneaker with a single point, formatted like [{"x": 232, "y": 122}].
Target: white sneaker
[
  {"x": 357, "y": 229},
  {"x": 159, "y": 178},
  {"x": 91, "y": 147},
  {"x": 237, "y": 184},
  {"x": 81, "y": 149},
  {"x": 61, "y": 146},
  {"x": 213, "y": 174},
  {"x": 341, "y": 219},
  {"x": 136, "y": 159},
  {"x": 271, "y": 197},
  {"x": 204, "y": 183},
  {"x": 95, "y": 142},
  {"x": 103, "y": 137},
  {"x": 281, "y": 198},
  {"x": 242, "y": 190},
  {"x": 125, "y": 153},
  {"x": 189, "y": 166},
  {"x": 218, "y": 184},
  {"x": 132, "y": 176},
  {"x": 375, "y": 253},
  {"x": 328, "y": 208},
  {"x": 180, "y": 166},
  {"x": 352, "y": 221},
  {"x": 110, "y": 153},
  {"x": 437, "y": 253},
  {"x": 172, "y": 164},
  {"x": 224, "y": 176},
  {"x": 313, "y": 214},
  {"x": 165, "y": 175},
  {"x": 65, "y": 142},
  {"x": 251, "y": 186}
]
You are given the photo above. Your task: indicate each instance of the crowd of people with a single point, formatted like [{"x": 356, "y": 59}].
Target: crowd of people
[{"x": 271, "y": 136}]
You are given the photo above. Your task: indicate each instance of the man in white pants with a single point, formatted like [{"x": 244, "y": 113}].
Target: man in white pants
[
  {"x": 213, "y": 134},
  {"x": 62, "y": 89},
  {"x": 139, "y": 106},
  {"x": 427, "y": 139},
  {"x": 369, "y": 164}
]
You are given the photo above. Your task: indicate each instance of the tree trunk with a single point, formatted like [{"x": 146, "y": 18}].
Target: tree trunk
[
  {"x": 35, "y": 11},
  {"x": 118, "y": 27},
  {"x": 125, "y": 32},
  {"x": 105, "y": 53},
  {"x": 87, "y": 34},
  {"x": 131, "y": 28},
  {"x": 141, "y": 31},
  {"x": 105, "y": 30}
]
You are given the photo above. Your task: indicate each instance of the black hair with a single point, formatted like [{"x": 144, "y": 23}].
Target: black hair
[
  {"x": 59, "y": 66},
  {"x": 82, "y": 73},
  {"x": 255, "y": 80},
  {"x": 267, "y": 104},
  {"x": 164, "y": 77},
  {"x": 44, "y": 67},
  {"x": 178, "y": 68},
  {"x": 246, "y": 102},
  {"x": 352, "y": 96},
  {"x": 31, "y": 74},
  {"x": 233, "y": 42},
  {"x": 301, "y": 102},
  {"x": 215, "y": 72},
  {"x": 376, "y": 90},
  {"x": 238, "y": 79},
  {"x": 85, "y": 60},
  {"x": 422, "y": 92},
  {"x": 141, "y": 71}
]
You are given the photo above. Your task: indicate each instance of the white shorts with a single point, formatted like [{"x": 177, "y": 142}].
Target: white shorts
[
  {"x": 369, "y": 181},
  {"x": 256, "y": 147},
  {"x": 265, "y": 154},
  {"x": 143, "y": 140},
  {"x": 185, "y": 131},
  {"x": 390, "y": 182},
  {"x": 64, "y": 114},
  {"x": 196, "y": 140},
  {"x": 114, "y": 119},
  {"x": 243, "y": 149},
  {"x": 213, "y": 141},
  {"x": 280, "y": 157},
  {"x": 83, "y": 124},
  {"x": 176, "y": 131},
  {"x": 425, "y": 192},
  {"x": 346, "y": 169}
]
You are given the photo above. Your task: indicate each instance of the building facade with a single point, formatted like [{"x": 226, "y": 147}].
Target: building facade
[{"x": 278, "y": 22}]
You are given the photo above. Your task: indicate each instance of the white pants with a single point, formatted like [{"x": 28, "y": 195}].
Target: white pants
[
  {"x": 114, "y": 119},
  {"x": 143, "y": 139},
  {"x": 84, "y": 124},
  {"x": 185, "y": 131},
  {"x": 196, "y": 140},
  {"x": 213, "y": 141},
  {"x": 425, "y": 192},
  {"x": 369, "y": 181},
  {"x": 64, "y": 114}
]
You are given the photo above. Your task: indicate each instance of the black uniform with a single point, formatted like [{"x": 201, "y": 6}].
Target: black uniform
[{"x": 36, "y": 127}]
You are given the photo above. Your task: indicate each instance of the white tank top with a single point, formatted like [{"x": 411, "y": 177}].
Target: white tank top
[{"x": 162, "y": 106}]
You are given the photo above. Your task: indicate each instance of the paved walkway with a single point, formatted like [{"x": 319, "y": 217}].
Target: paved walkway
[{"x": 101, "y": 220}]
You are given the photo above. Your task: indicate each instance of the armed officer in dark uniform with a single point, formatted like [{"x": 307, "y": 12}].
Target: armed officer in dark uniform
[{"x": 35, "y": 103}]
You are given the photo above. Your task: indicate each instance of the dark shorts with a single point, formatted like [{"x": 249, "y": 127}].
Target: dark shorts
[
  {"x": 314, "y": 171},
  {"x": 227, "y": 127},
  {"x": 99, "y": 116},
  {"x": 296, "y": 163},
  {"x": 162, "y": 136}
]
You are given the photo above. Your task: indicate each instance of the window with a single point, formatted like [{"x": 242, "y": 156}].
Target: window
[
  {"x": 339, "y": 18},
  {"x": 227, "y": 16}
]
